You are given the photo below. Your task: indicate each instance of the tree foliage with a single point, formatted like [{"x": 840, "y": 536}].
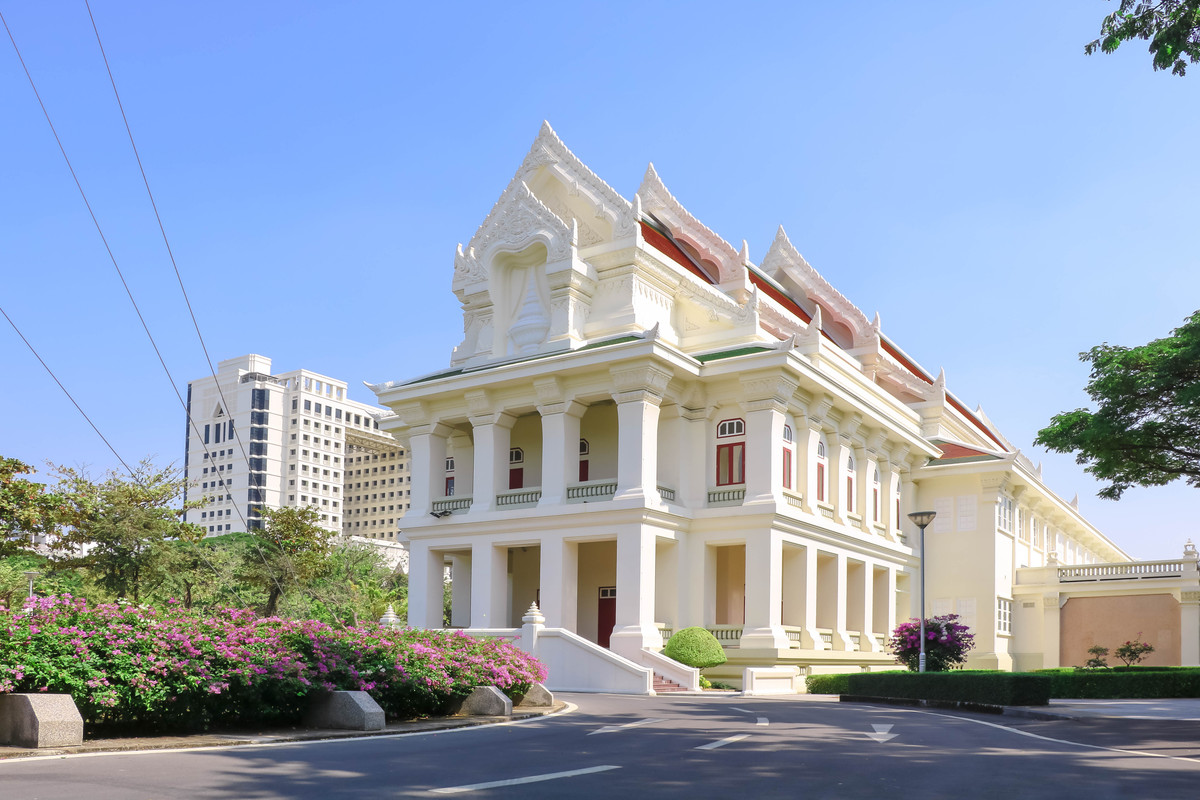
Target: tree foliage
[
  {"x": 1146, "y": 429},
  {"x": 1171, "y": 26},
  {"x": 291, "y": 550},
  {"x": 116, "y": 528},
  {"x": 27, "y": 509}
]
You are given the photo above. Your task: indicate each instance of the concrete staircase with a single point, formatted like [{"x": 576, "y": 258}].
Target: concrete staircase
[{"x": 664, "y": 685}]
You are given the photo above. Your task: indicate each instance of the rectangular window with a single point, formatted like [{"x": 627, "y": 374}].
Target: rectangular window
[
  {"x": 258, "y": 448},
  {"x": 820, "y": 483},
  {"x": 516, "y": 478},
  {"x": 583, "y": 470},
  {"x": 1004, "y": 615},
  {"x": 206, "y": 430},
  {"x": 259, "y": 399},
  {"x": 787, "y": 468},
  {"x": 450, "y": 486},
  {"x": 258, "y": 433},
  {"x": 731, "y": 464},
  {"x": 308, "y": 405},
  {"x": 259, "y": 417},
  {"x": 875, "y": 504}
]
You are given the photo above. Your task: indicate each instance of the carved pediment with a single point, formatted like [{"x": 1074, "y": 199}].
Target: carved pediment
[
  {"x": 784, "y": 260},
  {"x": 661, "y": 203},
  {"x": 517, "y": 220}
]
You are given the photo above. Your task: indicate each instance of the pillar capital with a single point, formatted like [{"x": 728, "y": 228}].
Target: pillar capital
[{"x": 644, "y": 378}]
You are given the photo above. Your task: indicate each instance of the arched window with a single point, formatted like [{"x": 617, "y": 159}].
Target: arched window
[
  {"x": 849, "y": 484},
  {"x": 822, "y": 469},
  {"x": 875, "y": 510},
  {"x": 731, "y": 427},
  {"x": 787, "y": 457},
  {"x": 731, "y": 456}
]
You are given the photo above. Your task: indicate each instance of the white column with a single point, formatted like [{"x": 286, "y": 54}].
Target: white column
[
  {"x": 764, "y": 445},
  {"x": 862, "y": 485},
  {"x": 841, "y": 640},
  {"x": 460, "y": 603},
  {"x": 807, "y": 438},
  {"x": 811, "y": 639},
  {"x": 493, "y": 433},
  {"x": 489, "y": 586},
  {"x": 692, "y": 461},
  {"x": 764, "y": 592},
  {"x": 425, "y": 586},
  {"x": 840, "y": 452},
  {"x": 867, "y": 641},
  {"x": 560, "y": 452},
  {"x": 1189, "y": 629},
  {"x": 635, "y": 628},
  {"x": 697, "y": 586},
  {"x": 558, "y": 575},
  {"x": 427, "y": 445},
  {"x": 464, "y": 464},
  {"x": 1051, "y": 622},
  {"x": 637, "y": 442}
]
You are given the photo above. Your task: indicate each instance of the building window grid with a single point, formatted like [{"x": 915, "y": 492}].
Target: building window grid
[{"x": 1004, "y": 608}]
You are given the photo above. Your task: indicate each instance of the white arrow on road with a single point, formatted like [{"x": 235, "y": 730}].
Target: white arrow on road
[
  {"x": 615, "y": 728},
  {"x": 881, "y": 733}
]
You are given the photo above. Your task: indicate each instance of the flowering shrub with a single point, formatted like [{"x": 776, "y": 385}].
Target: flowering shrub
[
  {"x": 1134, "y": 652},
  {"x": 946, "y": 643},
  {"x": 178, "y": 669}
]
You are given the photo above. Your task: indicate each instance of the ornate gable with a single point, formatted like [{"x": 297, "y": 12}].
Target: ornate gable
[
  {"x": 685, "y": 227},
  {"x": 783, "y": 259}
]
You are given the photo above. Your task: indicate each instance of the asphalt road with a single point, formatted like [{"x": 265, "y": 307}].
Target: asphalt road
[{"x": 687, "y": 747}]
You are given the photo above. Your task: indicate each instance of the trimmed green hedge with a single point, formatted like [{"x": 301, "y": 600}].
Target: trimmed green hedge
[
  {"x": 962, "y": 686},
  {"x": 1124, "y": 682},
  {"x": 695, "y": 647},
  {"x": 828, "y": 684}
]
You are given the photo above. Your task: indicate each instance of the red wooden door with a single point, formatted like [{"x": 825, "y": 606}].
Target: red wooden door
[
  {"x": 516, "y": 478},
  {"x": 606, "y": 616}
]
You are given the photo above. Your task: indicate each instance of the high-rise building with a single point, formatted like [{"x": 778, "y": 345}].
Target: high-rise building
[{"x": 257, "y": 440}]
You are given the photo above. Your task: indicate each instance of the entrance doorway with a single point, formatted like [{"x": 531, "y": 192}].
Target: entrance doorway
[{"x": 606, "y": 615}]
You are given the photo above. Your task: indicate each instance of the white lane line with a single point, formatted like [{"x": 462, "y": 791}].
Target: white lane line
[
  {"x": 1063, "y": 741},
  {"x": 615, "y": 728},
  {"x": 745, "y": 710},
  {"x": 722, "y": 742},
  {"x": 549, "y": 776},
  {"x": 762, "y": 721}
]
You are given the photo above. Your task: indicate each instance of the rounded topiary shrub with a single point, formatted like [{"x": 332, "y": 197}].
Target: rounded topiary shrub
[{"x": 695, "y": 647}]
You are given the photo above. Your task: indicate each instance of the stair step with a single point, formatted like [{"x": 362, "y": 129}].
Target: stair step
[{"x": 663, "y": 684}]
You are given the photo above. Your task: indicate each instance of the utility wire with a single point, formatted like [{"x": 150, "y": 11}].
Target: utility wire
[
  {"x": 64, "y": 389},
  {"x": 120, "y": 274}
]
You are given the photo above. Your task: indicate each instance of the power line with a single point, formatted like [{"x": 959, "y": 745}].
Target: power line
[
  {"x": 64, "y": 389},
  {"x": 120, "y": 274}
]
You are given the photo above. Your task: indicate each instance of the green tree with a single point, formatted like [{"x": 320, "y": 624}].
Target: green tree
[
  {"x": 1171, "y": 26},
  {"x": 27, "y": 509},
  {"x": 289, "y": 552},
  {"x": 114, "y": 529},
  {"x": 1146, "y": 429},
  {"x": 353, "y": 585}
]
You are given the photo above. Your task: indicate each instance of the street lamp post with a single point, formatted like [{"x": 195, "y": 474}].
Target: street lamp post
[
  {"x": 922, "y": 519},
  {"x": 31, "y": 575}
]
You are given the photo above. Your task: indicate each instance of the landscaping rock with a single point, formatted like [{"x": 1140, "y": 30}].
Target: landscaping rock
[
  {"x": 538, "y": 696},
  {"x": 485, "y": 701},
  {"x": 350, "y": 711},
  {"x": 40, "y": 720}
]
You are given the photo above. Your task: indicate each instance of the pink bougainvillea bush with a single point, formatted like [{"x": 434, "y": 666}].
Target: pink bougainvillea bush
[
  {"x": 172, "y": 669},
  {"x": 947, "y": 642}
]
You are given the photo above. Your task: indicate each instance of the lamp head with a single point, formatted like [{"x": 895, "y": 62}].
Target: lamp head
[{"x": 922, "y": 518}]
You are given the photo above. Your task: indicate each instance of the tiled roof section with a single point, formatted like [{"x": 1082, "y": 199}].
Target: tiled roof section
[
  {"x": 954, "y": 453},
  {"x": 664, "y": 245},
  {"x": 740, "y": 351},
  {"x": 907, "y": 363},
  {"x": 765, "y": 286}
]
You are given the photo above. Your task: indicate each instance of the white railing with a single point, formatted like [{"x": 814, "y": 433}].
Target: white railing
[
  {"x": 1134, "y": 570},
  {"x": 665, "y": 631},
  {"x": 666, "y": 493},
  {"x": 794, "y": 635},
  {"x": 855, "y": 640},
  {"x": 519, "y": 497},
  {"x": 727, "y": 635},
  {"x": 794, "y": 500},
  {"x": 726, "y": 495},
  {"x": 591, "y": 489},
  {"x": 826, "y": 637},
  {"x": 462, "y": 503}
]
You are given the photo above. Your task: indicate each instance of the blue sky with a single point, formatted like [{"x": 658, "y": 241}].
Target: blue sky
[{"x": 1002, "y": 200}]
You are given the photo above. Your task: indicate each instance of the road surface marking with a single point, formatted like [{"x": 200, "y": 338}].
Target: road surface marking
[
  {"x": 746, "y": 710},
  {"x": 615, "y": 728},
  {"x": 762, "y": 721},
  {"x": 549, "y": 776},
  {"x": 722, "y": 742},
  {"x": 1064, "y": 741},
  {"x": 881, "y": 733}
]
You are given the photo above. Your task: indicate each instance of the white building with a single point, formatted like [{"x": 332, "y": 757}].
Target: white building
[
  {"x": 643, "y": 429},
  {"x": 258, "y": 440}
]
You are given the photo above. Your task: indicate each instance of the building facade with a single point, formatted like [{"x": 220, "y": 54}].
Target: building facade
[
  {"x": 257, "y": 440},
  {"x": 642, "y": 429}
]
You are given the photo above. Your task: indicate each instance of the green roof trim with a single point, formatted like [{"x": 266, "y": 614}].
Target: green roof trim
[
  {"x": 535, "y": 357},
  {"x": 607, "y": 342},
  {"x": 740, "y": 351},
  {"x": 937, "y": 462}
]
